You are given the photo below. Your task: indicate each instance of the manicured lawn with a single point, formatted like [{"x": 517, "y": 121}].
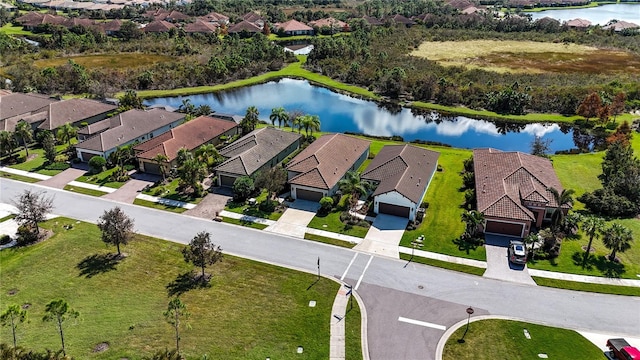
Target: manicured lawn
[
  {"x": 18, "y": 177},
  {"x": 158, "y": 206},
  {"x": 353, "y": 331},
  {"x": 250, "y": 311},
  {"x": 81, "y": 190},
  {"x": 331, "y": 222},
  {"x": 327, "y": 240},
  {"x": 245, "y": 209},
  {"x": 504, "y": 339},
  {"x": 8, "y": 217},
  {"x": 37, "y": 163},
  {"x": 170, "y": 191},
  {"x": 579, "y": 172},
  {"x": 10, "y": 29},
  {"x": 101, "y": 179},
  {"x": 244, "y": 223},
  {"x": 444, "y": 264},
  {"x": 579, "y": 286}
]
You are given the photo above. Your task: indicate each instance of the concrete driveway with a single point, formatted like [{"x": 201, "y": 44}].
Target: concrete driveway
[
  {"x": 384, "y": 236},
  {"x": 498, "y": 265},
  {"x": 128, "y": 192},
  {"x": 60, "y": 180},
  {"x": 295, "y": 219}
]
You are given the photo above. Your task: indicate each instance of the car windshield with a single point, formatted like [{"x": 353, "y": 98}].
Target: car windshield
[{"x": 519, "y": 248}]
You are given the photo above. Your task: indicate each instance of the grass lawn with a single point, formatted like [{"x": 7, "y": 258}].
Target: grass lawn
[
  {"x": 170, "y": 191},
  {"x": 38, "y": 161},
  {"x": 579, "y": 286},
  {"x": 101, "y": 179},
  {"x": 244, "y": 223},
  {"x": 444, "y": 264},
  {"x": 353, "y": 332},
  {"x": 327, "y": 240},
  {"x": 8, "y": 217},
  {"x": 245, "y": 209},
  {"x": 10, "y": 29},
  {"x": 331, "y": 222},
  {"x": 81, "y": 190},
  {"x": 158, "y": 206},
  {"x": 504, "y": 339},
  {"x": 250, "y": 311},
  {"x": 18, "y": 177}
]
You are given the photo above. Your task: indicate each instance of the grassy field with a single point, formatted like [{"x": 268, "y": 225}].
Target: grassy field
[
  {"x": 331, "y": 222},
  {"x": 18, "y": 177},
  {"x": 155, "y": 205},
  {"x": 245, "y": 209},
  {"x": 107, "y": 61},
  {"x": 10, "y": 29},
  {"x": 503, "y": 339},
  {"x": 85, "y": 191},
  {"x": 528, "y": 56},
  {"x": 101, "y": 179},
  {"x": 579, "y": 286},
  {"x": 250, "y": 311},
  {"x": 244, "y": 223},
  {"x": 326, "y": 240},
  {"x": 170, "y": 191},
  {"x": 37, "y": 162}
]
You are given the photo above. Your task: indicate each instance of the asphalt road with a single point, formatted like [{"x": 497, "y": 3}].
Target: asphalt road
[{"x": 389, "y": 289}]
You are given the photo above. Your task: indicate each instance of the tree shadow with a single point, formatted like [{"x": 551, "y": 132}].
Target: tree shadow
[
  {"x": 611, "y": 269},
  {"x": 578, "y": 259},
  {"x": 185, "y": 282},
  {"x": 97, "y": 264},
  {"x": 467, "y": 245}
]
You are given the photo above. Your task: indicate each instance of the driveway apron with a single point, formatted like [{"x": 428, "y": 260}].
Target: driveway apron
[
  {"x": 295, "y": 219},
  {"x": 128, "y": 192},
  {"x": 499, "y": 267},
  {"x": 384, "y": 236},
  {"x": 60, "y": 180}
]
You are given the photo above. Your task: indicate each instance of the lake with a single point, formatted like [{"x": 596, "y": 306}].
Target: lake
[
  {"x": 600, "y": 15},
  {"x": 342, "y": 113}
]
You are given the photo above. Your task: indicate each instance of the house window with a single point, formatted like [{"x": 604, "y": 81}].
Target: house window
[{"x": 547, "y": 213}]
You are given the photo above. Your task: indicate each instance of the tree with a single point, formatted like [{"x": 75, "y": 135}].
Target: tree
[
  {"x": 310, "y": 123},
  {"x": 130, "y": 100},
  {"x": 617, "y": 105},
  {"x": 8, "y": 143},
  {"x": 202, "y": 252},
  {"x": 58, "y": 311},
  {"x": 161, "y": 161},
  {"x": 562, "y": 199},
  {"x": 243, "y": 187},
  {"x": 13, "y": 316},
  {"x": 250, "y": 120},
  {"x": 33, "y": 208},
  {"x": 473, "y": 221},
  {"x": 49, "y": 146},
  {"x": 97, "y": 164},
  {"x": 617, "y": 238},
  {"x": 67, "y": 132},
  {"x": 191, "y": 173},
  {"x": 621, "y": 171},
  {"x": 273, "y": 180},
  {"x": 593, "y": 226},
  {"x": 116, "y": 227},
  {"x": 208, "y": 155},
  {"x": 540, "y": 147},
  {"x": 280, "y": 115},
  {"x": 355, "y": 186},
  {"x": 176, "y": 314},
  {"x": 590, "y": 106},
  {"x": 25, "y": 133},
  {"x": 187, "y": 107}
]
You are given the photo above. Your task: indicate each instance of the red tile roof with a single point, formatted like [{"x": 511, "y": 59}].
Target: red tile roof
[
  {"x": 244, "y": 25},
  {"x": 329, "y": 22},
  {"x": 294, "y": 25},
  {"x": 201, "y": 27},
  {"x": 159, "y": 26}
]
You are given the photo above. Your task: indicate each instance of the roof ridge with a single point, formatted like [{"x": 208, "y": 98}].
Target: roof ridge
[{"x": 309, "y": 172}]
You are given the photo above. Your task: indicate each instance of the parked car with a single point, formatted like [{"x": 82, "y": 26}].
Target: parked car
[
  {"x": 621, "y": 350},
  {"x": 517, "y": 252}
]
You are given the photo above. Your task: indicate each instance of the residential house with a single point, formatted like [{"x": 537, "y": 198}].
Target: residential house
[
  {"x": 372, "y": 21},
  {"x": 16, "y": 106},
  {"x": 512, "y": 191},
  {"x": 620, "y": 25},
  {"x": 244, "y": 27},
  {"x": 201, "y": 27},
  {"x": 190, "y": 135},
  {"x": 32, "y": 20},
  {"x": 75, "y": 21},
  {"x": 293, "y": 27},
  {"x": 399, "y": 19},
  {"x": 402, "y": 174},
  {"x": 259, "y": 150},
  {"x": 216, "y": 18},
  {"x": 112, "y": 27},
  {"x": 158, "y": 26},
  {"x": 73, "y": 111},
  {"x": 126, "y": 128},
  {"x": 334, "y": 25},
  {"x": 578, "y": 23},
  {"x": 254, "y": 18},
  {"x": 316, "y": 171}
]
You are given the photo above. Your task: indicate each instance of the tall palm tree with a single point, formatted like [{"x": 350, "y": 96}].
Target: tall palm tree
[
  {"x": 183, "y": 155},
  {"x": 66, "y": 132},
  {"x": 562, "y": 199},
  {"x": 593, "y": 226},
  {"x": 24, "y": 132},
  {"x": 312, "y": 123},
  {"x": 473, "y": 220},
  {"x": 203, "y": 110},
  {"x": 250, "y": 119},
  {"x": 8, "y": 143},
  {"x": 208, "y": 154},
  {"x": 187, "y": 107},
  {"x": 297, "y": 122},
  {"x": 354, "y": 185},
  {"x": 617, "y": 238},
  {"x": 280, "y": 115},
  {"x": 161, "y": 160}
]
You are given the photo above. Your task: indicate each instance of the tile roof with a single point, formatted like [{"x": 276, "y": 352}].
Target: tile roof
[
  {"x": 14, "y": 104},
  {"x": 406, "y": 169},
  {"x": 372, "y": 20},
  {"x": 159, "y": 26},
  {"x": 329, "y": 22},
  {"x": 244, "y": 25},
  {"x": 113, "y": 25},
  {"x": 215, "y": 17},
  {"x": 252, "y": 17},
  {"x": 505, "y": 179},
  {"x": 620, "y": 25},
  {"x": 399, "y": 19},
  {"x": 578, "y": 23},
  {"x": 71, "y": 111},
  {"x": 251, "y": 152},
  {"x": 323, "y": 163},
  {"x": 294, "y": 25},
  {"x": 127, "y": 126},
  {"x": 189, "y": 135},
  {"x": 200, "y": 26}
]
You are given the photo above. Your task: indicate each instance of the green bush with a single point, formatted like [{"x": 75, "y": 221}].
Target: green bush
[
  {"x": 344, "y": 202},
  {"x": 97, "y": 164},
  {"x": 159, "y": 191},
  {"x": 326, "y": 203},
  {"x": 267, "y": 206},
  {"x": 62, "y": 158},
  {"x": 26, "y": 236},
  {"x": 5, "y": 239}
]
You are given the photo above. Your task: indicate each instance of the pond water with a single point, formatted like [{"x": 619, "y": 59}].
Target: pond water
[
  {"x": 342, "y": 113},
  {"x": 600, "y": 15}
]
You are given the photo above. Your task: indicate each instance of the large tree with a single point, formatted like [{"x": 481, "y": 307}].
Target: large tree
[
  {"x": 66, "y": 132},
  {"x": 58, "y": 311},
  {"x": 250, "y": 120},
  {"x": 621, "y": 171},
  {"x": 617, "y": 105},
  {"x": 116, "y": 227},
  {"x": 13, "y": 316},
  {"x": 130, "y": 100},
  {"x": 202, "y": 252},
  {"x": 354, "y": 186},
  {"x": 590, "y": 106},
  {"x": 161, "y": 161},
  {"x": 25, "y": 133},
  {"x": 33, "y": 208},
  {"x": 191, "y": 174},
  {"x": 176, "y": 315},
  {"x": 208, "y": 155},
  {"x": 273, "y": 180},
  {"x": 617, "y": 238},
  {"x": 593, "y": 227},
  {"x": 473, "y": 221},
  {"x": 562, "y": 199},
  {"x": 8, "y": 143},
  {"x": 540, "y": 147},
  {"x": 48, "y": 141}
]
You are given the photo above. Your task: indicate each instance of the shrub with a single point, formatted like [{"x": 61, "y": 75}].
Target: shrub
[
  {"x": 267, "y": 206},
  {"x": 603, "y": 202},
  {"x": 62, "y": 158},
  {"x": 243, "y": 187},
  {"x": 25, "y": 236},
  {"x": 326, "y": 203},
  {"x": 159, "y": 191},
  {"x": 97, "y": 164},
  {"x": 424, "y": 205},
  {"x": 344, "y": 202},
  {"x": 5, "y": 239}
]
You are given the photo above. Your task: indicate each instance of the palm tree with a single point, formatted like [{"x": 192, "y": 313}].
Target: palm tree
[
  {"x": 66, "y": 132},
  {"x": 593, "y": 227},
  {"x": 8, "y": 143},
  {"x": 250, "y": 119},
  {"x": 473, "y": 220},
  {"x": 161, "y": 160},
  {"x": 354, "y": 185},
  {"x": 183, "y": 155},
  {"x": 24, "y": 132},
  {"x": 208, "y": 154},
  {"x": 563, "y": 199},
  {"x": 297, "y": 122},
  {"x": 279, "y": 114},
  {"x": 203, "y": 110},
  {"x": 311, "y": 123},
  {"x": 187, "y": 107},
  {"x": 617, "y": 238}
]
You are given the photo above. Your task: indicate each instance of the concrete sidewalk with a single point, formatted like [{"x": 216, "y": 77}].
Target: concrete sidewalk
[
  {"x": 25, "y": 173},
  {"x": 337, "y": 334}
]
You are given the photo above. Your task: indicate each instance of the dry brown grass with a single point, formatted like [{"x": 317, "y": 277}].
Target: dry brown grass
[
  {"x": 528, "y": 56},
  {"x": 112, "y": 61}
]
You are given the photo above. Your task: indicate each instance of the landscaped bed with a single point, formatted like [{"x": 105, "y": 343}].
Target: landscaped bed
[
  {"x": 159, "y": 206},
  {"x": 331, "y": 222},
  {"x": 255, "y": 209},
  {"x": 170, "y": 191},
  {"x": 36, "y": 162},
  {"x": 103, "y": 178},
  {"x": 255, "y": 310}
]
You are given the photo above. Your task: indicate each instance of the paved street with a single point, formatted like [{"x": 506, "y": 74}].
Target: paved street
[{"x": 389, "y": 290}]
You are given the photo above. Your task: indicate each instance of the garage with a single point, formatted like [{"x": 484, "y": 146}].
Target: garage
[
  {"x": 152, "y": 168},
  {"x": 391, "y": 209},
  {"x": 227, "y": 180},
  {"x": 503, "y": 228},
  {"x": 87, "y": 156},
  {"x": 310, "y": 195}
]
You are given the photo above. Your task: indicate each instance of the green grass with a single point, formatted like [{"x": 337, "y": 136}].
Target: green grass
[
  {"x": 275, "y": 37},
  {"x": 101, "y": 179},
  {"x": 81, "y": 190},
  {"x": 251, "y": 310},
  {"x": 244, "y": 209},
  {"x": 38, "y": 162},
  {"x": 444, "y": 264},
  {"x": 10, "y": 29},
  {"x": 26, "y": 179},
  {"x": 155, "y": 205},
  {"x": 580, "y": 286},
  {"x": 170, "y": 191},
  {"x": 504, "y": 339},
  {"x": 244, "y": 223},
  {"x": 590, "y": 5},
  {"x": 333, "y": 224},
  {"x": 579, "y": 172},
  {"x": 353, "y": 331},
  {"x": 328, "y": 240},
  {"x": 8, "y": 217}
]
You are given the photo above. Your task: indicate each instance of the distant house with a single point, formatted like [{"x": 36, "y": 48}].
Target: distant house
[
  {"x": 293, "y": 27},
  {"x": 578, "y": 23},
  {"x": 32, "y": 20},
  {"x": 512, "y": 191},
  {"x": 620, "y": 25},
  {"x": 244, "y": 27},
  {"x": 259, "y": 150},
  {"x": 330, "y": 23},
  {"x": 73, "y": 111},
  {"x": 71, "y": 22},
  {"x": 158, "y": 26},
  {"x": 254, "y": 18},
  {"x": 201, "y": 27},
  {"x": 190, "y": 135},
  {"x": 112, "y": 27},
  {"x": 124, "y": 129},
  {"x": 18, "y": 106},
  {"x": 216, "y": 18},
  {"x": 399, "y": 19},
  {"x": 316, "y": 171},
  {"x": 402, "y": 174},
  {"x": 373, "y": 21}
]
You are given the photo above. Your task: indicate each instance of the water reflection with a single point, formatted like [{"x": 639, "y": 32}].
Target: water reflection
[{"x": 599, "y": 15}]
